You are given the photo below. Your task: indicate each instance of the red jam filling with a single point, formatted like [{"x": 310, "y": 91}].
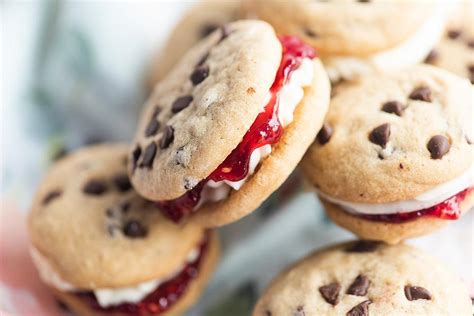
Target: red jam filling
[
  {"x": 449, "y": 209},
  {"x": 162, "y": 298},
  {"x": 266, "y": 130}
]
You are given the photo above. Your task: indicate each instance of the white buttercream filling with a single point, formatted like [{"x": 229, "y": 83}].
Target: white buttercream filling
[
  {"x": 428, "y": 199},
  {"x": 290, "y": 96},
  {"x": 410, "y": 52},
  {"x": 106, "y": 296}
]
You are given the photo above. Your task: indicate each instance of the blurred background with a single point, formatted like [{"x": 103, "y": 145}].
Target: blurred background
[{"x": 73, "y": 73}]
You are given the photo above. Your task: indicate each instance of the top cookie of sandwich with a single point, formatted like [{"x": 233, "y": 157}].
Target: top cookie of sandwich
[
  {"x": 345, "y": 27},
  {"x": 455, "y": 51},
  {"x": 200, "y": 112},
  {"x": 96, "y": 232},
  {"x": 365, "y": 278},
  {"x": 394, "y": 136},
  {"x": 204, "y": 18}
]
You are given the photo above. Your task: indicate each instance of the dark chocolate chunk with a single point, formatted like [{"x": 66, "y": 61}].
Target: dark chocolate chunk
[
  {"x": 167, "y": 137},
  {"x": 393, "y": 107},
  {"x": 208, "y": 29},
  {"x": 95, "y": 187},
  {"x": 454, "y": 33},
  {"x": 122, "y": 182},
  {"x": 134, "y": 229},
  {"x": 380, "y": 135},
  {"x": 148, "y": 156},
  {"x": 268, "y": 313},
  {"x": 330, "y": 292},
  {"x": 181, "y": 103},
  {"x": 199, "y": 75},
  {"x": 152, "y": 127},
  {"x": 363, "y": 246},
  {"x": 362, "y": 309},
  {"x": 137, "y": 152},
  {"x": 438, "y": 146},
  {"x": 360, "y": 286},
  {"x": 413, "y": 293},
  {"x": 51, "y": 196},
  {"x": 324, "y": 134},
  {"x": 421, "y": 94}
]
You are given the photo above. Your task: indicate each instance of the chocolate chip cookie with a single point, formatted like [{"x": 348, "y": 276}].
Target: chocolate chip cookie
[
  {"x": 229, "y": 124},
  {"x": 104, "y": 250},
  {"x": 395, "y": 157},
  {"x": 364, "y": 278}
]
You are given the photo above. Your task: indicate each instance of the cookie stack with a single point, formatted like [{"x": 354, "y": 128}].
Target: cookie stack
[{"x": 127, "y": 228}]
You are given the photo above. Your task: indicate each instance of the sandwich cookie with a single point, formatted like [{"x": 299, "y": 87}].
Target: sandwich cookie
[
  {"x": 357, "y": 37},
  {"x": 395, "y": 157},
  {"x": 103, "y": 250},
  {"x": 229, "y": 124},
  {"x": 366, "y": 278},
  {"x": 455, "y": 51},
  {"x": 204, "y": 18}
]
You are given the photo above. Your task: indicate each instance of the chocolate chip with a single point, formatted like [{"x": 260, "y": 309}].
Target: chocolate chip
[
  {"x": 380, "y": 135},
  {"x": 324, "y": 134},
  {"x": 470, "y": 43},
  {"x": 167, "y": 137},
  {"x": 181, "y": 103},
  {"x": 95, "y": 187},
  {"x": 364, "y": 1},
  {"x": 361, "y": 309},
  {"x": 152, "y": 127},
  {"x": 148, "y": 156},
  {"x": 360, "y": 286},
  {"x": 413, "y": 293},
  {"x": 268, "y": 313},
  {"x": 202, "y": 60},
  {"x": 299, "y": 311},
  {"x": 330, "y": 292},
  {"x": 310, "y": 33},
  {"x": 51, "y": 196},
  {"x": 362, "y": 246},
  {"x": 122, "y": 182},
  {"x": 421, "y": 94},
  {"x": 207, "y": 29},
  {"x": 400, "y": 166},
  {"x": 438, "y": 146},
  {"x": 199, "y": 74},
  {"x": 134, "y": 229},
  {"x": 137, "y": 152},
  {"x": 393, "y": 107},
  {"x": 454, "y": 34}
]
